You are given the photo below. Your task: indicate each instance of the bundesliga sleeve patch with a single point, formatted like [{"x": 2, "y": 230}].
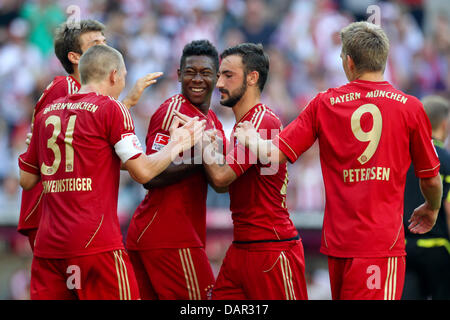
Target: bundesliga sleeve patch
[
  {"x": 128, "y": 147},
  {"x": 160, "y": 141}
]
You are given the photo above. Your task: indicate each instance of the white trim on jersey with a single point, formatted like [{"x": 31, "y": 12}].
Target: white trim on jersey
[{"x": 127, "y": 120}]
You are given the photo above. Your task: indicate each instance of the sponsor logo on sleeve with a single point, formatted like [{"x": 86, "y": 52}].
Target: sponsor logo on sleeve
[{"x": 160, "y": 141}]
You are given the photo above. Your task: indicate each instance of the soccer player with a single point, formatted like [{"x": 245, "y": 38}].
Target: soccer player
[
  {"x": 78, "y": 145},
  {"x": 70, "y": 43},
  {"x": 266, "y": 259},
  {"x": 167, "y": 234},
  {"x": 368, "y": 133},
  {"x": 428, "y": 255}
]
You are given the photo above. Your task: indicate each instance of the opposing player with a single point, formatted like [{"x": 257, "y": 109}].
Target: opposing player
[
  {"x": 266, "y": 259},
  {"x": 70, "y": 43},
  {"x": 368, "y": 133},
  {"x": 78, "y": 145},
  {"x": 167, "y": 234},
  {"x": 428, "y": 255}
]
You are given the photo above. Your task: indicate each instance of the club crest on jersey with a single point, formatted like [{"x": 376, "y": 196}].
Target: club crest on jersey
[
  {"x": 160, "y": 141},
  {"x": 137, "y": 143}
]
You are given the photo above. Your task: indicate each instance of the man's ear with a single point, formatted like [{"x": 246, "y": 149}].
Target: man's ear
[
  {"x": 179, "y": 75},
  {"x": 113, "y": 76},
  {"x": 74, "y": 57},
  {"x": 350, "y": 63},
  {"x": 252, "y": 78}
]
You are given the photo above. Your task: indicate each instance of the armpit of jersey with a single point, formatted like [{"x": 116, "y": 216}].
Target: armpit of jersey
[{"x": 128, "y": 147}]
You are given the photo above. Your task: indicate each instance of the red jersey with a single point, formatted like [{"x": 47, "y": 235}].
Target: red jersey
[
  {"x": 173, "y": 216},
  {"x": 258, "y": 195},
  {"x": 368, "y": 134},
  {"x": 75, "y": 147},
  {"x": 31, "y": 208}
]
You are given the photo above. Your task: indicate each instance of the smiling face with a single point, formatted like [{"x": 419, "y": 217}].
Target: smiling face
[{"x": 198, "y": 78}]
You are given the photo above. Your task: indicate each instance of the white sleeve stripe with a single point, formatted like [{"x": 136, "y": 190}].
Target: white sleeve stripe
[
  {"x": 127, "y": 120},
  {"x": 127, "y": 115},
  {"x": 177, "y": 108},
  {"x": 260, "y": 120},
  {"x": 169, "y": 112},
  {"x": 257, "y": 118},
  {"x": 69, "y": 89}
]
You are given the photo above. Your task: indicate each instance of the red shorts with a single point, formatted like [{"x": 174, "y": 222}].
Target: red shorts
[
  {"x": 367, "y": 278},
  {"x": 103, "y": 276},
  {"x": 173, "y": 274},
  {"x": 262, "y": 271}
]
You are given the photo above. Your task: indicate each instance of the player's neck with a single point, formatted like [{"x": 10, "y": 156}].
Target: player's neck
[
  {"x": 76, "y": 74},
  {"x": 98, "y": 88},
  {"x": 204, "y": 107},
  {"x": 371, "y": 76},
  {"x": 247, "y": 102}
]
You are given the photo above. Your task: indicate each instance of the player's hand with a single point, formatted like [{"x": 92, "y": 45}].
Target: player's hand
[
  {"x": 423, "y": 219},
  {"x": 210, "y": 139},
  {"x": 183, "y": 118},
  {"x": 141, "y": 84},
  {"x": 246, "y": 133},
  {"x": 188, "y": 135},
  {"x": 28, "y": 139}
]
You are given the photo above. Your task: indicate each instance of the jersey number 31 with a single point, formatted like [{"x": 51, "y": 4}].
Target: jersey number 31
[{"x": 52, "y": 145}]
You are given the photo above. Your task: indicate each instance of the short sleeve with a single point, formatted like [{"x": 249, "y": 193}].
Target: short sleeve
[
  {"x": 300, "y": 134},
  {"x": 121, "y": 131},
  {"x": 423, "y": 153},
  {"x": 158, "y": 135},
  {"x": 240, "y": 158},
  {"x": 28, "y": 161}
]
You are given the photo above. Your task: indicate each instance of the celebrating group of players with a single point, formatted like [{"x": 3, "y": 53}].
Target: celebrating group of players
[{"x": 82, "y": 135}]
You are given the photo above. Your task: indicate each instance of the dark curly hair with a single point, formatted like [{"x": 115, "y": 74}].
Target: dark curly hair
[{"x": 200, "y": 48}]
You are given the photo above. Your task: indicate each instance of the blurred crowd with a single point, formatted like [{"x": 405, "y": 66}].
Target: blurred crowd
[{"x": 301, "y": 37}]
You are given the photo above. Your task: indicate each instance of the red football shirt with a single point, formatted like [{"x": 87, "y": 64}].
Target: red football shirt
[
  {"x": 258, "y": 195},
  {"x": 74, "y": 149},
  {"x": 368, "y": 134},
  {"x": 173, "y": 216},
  {"x": 31, "y": 208}
]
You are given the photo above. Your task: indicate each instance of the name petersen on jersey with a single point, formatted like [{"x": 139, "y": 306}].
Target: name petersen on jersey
[{"x": 372, "y": 136}]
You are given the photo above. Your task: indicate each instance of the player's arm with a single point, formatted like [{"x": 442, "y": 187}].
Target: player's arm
[
  {"x": 173, "y": 174},
  {"x": 219, "y": 173},
  {"x": 265, "y": 150},
  {"x": 141, "y": 84},
  {"x": 28, "y": 180},
  {"x": 29, "y": 173},
  {"x": 144, "y": 168},
  {"x": 424, "y": 217}
]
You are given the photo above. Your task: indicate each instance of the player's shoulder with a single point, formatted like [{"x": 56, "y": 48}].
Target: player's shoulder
[
  {"x": 263, "y": 117},
  {"x": 163, "y": 116},
  {"x": 119, "y": 109},
  {"x": 64, "y": 84},
  {"x": 108, "y": 100}
]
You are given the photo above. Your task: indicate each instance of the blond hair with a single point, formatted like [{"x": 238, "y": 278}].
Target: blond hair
[
  {"x": 367, "y": 44},
  {"x": 97, "y": 63}
]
